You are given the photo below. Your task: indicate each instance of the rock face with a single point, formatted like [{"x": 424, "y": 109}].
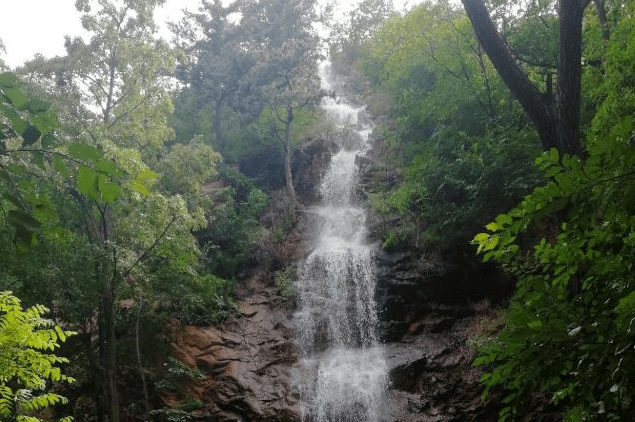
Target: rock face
[
  {"x": 411, "y": 285},
  {"x": 429, "y": 307},
  {"x": 246, "y": 361},
  {"x": 431, "y": 373},
  {"x": 309, "y": 165}
]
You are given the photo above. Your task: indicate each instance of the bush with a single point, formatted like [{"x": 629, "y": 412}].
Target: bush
[
  {"x": 26, "y": 364},
  {"x": 233, "y": 224},
  {"x": 285, "y": 280},
  {"x": 568, "y": 333}
]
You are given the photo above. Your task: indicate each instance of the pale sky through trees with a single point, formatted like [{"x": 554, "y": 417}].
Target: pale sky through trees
[{"x": 38, "y": 26}]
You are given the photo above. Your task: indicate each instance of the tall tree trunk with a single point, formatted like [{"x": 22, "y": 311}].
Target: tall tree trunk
[
  {"x": 218, "y": 130},
  {"x": 287, "y": 153},
  {"x": 599, "y": 7},
  {"x": 569, "y": 82},
  {"x": 108, "y": 350},
  {"x": 557, "y": 120},
  {"x": 93, "y": 366},
  {"x": 106, "y": 273},
  {"x": 146, "y": 396}
]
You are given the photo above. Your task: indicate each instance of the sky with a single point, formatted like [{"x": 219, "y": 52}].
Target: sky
[{"x": 38, "y": 26}]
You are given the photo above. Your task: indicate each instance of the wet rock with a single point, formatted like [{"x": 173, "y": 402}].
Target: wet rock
[
  {"x": 246, "y": 361},
  {"x": 412, "y": 284},
  {"x": 309, "y": 165}
]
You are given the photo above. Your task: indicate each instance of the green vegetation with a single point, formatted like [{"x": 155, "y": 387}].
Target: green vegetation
[
  {"x": 174, "y": 373},
  {"x": 26, "y": 365},
  {"x": 285, "y": 280},
  {"x": 461, "y": 145}
]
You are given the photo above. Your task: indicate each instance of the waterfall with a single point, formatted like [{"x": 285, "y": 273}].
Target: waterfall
[{"x": 342, "y": 374}]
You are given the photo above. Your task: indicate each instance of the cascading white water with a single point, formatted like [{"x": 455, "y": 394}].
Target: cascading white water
[{"x": 342, "y": 374}]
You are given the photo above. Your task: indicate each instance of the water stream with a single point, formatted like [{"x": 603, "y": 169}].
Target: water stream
[{"x": 342, "y": 375}]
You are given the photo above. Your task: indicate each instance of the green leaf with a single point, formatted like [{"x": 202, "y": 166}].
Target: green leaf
[
  {"x": 30, "y": 135},
  {"x": 480, "y": 238},
  {"x": 60, "y": 166},
  {"x": 38, "y": 157},
  {"x": 87, "y": 182},
  {"x": 109, "y": 167},
  {"x": 8, "y": 80},
  {"x": 36, "y": 105},
  {"x": 491, "y": 242},
  {"x": 110, "y": 192},
  {"x": 554, "y": 155},
  {"x": 8, "y": 111},
  {"x": 503, "y": 219},
  {"x": 84, "y": 152},
  {"x": 17, "y": 97},
  {"x": 493, "y": 226},
  {"x": 144, "y": 180},
  {"x": 19, "y": 125},
  {"x": 49, "y": 140},
  {"x": 45, "y": 122}
]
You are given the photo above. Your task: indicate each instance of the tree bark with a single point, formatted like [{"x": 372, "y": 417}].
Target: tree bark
[
  {"x": 108, "y": 351},
  {"x": 599, "y": 7},
  {"x": 557, "y": 119},
  {"x": 287, "y": 151},
  {"x": 569, "y": 82},
  {"x": 218, "y": 130}
]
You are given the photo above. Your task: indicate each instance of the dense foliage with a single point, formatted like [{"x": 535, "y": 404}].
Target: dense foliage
[
  {"x": 463, "y": 151},
  {"x": 26, "y": 365},
  {"x": 460, "y": 143},
  {"x": 569, "y": 329}
]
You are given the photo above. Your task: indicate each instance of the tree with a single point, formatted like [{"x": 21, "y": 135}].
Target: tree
[
  {"x": 569, "y": 326},
  {"x": 459, "y": 143},
  {"x": 557, "y": 116},
  {"x": 347, "y": 38},
  {"x": 221, "y": 67},
  {"x": 26, "y": 364},
  {"x": 295, "y": 86},
  {"x": 287, "y": 68},
  {"x": 122, "y": 74},
  {"x": 125, "y": 72},
  {"x": 116, "y": 230}
]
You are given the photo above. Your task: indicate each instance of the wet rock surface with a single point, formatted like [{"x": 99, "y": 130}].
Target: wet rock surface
[
  {"x": 309, "y": 165},
  {"x": 246, "y": 362},
  {"x": 412, "y": 284},
  {"x": 431, "y": 373}
]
